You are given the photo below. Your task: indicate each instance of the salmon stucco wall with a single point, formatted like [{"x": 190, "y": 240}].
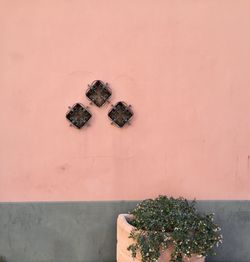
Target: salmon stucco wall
[{"x": 183, "y": 65}]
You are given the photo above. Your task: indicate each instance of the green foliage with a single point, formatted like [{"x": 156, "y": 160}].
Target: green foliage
[{"x": 168, "y": 222}]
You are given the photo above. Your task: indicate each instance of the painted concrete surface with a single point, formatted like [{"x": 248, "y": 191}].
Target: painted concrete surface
[
  {"x": 86, "y": 231},
  {"x": 184, "y": 67}
]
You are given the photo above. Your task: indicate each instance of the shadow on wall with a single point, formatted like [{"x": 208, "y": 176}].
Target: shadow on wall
[{"x": 3, "y": 259}]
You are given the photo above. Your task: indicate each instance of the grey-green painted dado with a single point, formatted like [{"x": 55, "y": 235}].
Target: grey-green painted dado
[{"x": 86, "y": 231}]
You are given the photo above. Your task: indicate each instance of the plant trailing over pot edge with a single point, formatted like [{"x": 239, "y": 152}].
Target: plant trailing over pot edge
[{"x": 172, "y": 223}]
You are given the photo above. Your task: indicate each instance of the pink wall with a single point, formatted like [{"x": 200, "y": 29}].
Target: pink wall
[{"x": 183, "y": 65}]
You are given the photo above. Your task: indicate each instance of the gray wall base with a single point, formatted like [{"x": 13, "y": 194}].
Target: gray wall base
[{"x": 86, "y": 231}]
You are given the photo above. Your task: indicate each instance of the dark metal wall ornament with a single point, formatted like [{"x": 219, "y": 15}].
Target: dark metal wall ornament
[
  {"x": 78, "y": 115},
  {"x": 120, "y": 114},
  {"x": 98, "y": 92}
]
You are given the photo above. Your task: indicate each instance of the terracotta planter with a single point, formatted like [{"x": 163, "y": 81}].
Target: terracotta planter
[{"x": 123, "y": 241}]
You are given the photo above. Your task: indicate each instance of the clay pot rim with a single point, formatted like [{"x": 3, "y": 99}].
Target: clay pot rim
[{"x": 123, "y": 220}]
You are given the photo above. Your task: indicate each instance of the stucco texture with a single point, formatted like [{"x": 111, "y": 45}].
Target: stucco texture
[
  {"x": 86, "y": 231},
  {"x": 183, "y": 66}
]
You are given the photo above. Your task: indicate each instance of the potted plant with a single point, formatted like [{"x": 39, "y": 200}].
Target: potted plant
[{"x": 166, "y": 229}]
